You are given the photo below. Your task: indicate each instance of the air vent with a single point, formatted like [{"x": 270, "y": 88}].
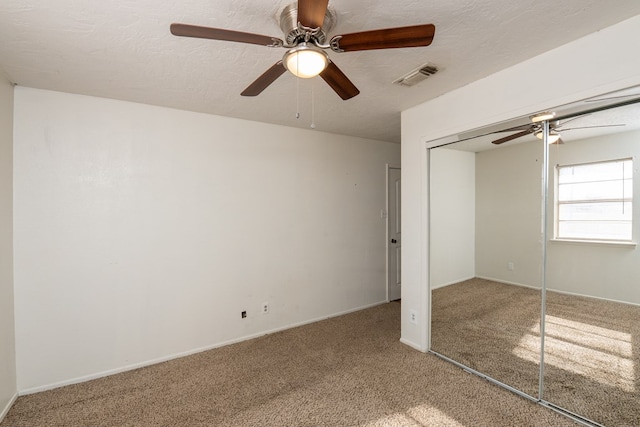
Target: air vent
[{"x": 416, "y": 76}]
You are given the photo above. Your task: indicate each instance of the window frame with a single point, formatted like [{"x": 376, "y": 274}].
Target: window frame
[{"x": 558, "y": 203}]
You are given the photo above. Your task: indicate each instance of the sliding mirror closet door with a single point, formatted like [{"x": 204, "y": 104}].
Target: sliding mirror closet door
[
  {"x": 592, "y": 322},
  {"x": 485, "y": 228}
]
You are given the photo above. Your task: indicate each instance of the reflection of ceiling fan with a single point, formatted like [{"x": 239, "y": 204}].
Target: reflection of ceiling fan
[
  {"x": 555, "y": 127},
  {"x": 305, "y": 26}
]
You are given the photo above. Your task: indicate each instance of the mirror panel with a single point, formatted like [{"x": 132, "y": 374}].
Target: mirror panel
[
  {"x": 486, "y": 256},
  {"x": 496, "y": 265},
  {"x": 592, "y": 322}
]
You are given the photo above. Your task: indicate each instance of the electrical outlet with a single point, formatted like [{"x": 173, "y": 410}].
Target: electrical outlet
[
  {"x": 265, "y": 307},
  {"x": 510, "y": 266},
  {"x": 413, "y": 317},
  {"x": 243, "y": 314}
]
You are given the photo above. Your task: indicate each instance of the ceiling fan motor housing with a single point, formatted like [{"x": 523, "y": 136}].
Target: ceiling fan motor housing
[
  {"x": 294, "y": 34},
  {"x": 306, "y": 25}
]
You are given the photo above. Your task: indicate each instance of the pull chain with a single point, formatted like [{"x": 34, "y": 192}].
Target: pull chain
[
  {"x": 313, "y": 103},
  {"x": 298, "y": 89}
]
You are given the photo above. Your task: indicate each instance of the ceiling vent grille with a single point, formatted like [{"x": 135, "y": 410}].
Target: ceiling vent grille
[{"x": 417, "y": 75}]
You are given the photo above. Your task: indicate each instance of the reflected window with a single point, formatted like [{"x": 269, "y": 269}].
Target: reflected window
[{"x": 594, "y": 201}]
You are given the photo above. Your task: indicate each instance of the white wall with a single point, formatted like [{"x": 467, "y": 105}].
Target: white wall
[
  {"x": 8, "y": 390},
  {"x": 598, "y": 63},
  {"x": 509, "y": 214},
  {"x": 142, "y": 232},
  {"x": 509, "y": 219},
  {"x": 452, "y": 209},
  {"x": 603, "y": 271}
]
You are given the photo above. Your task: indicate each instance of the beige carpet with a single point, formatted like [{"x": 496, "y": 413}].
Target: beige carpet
[
  {"x": 346, "y": 371},
  {"x": 479, "y": 322},
  {"x": 592, "y": 347}
]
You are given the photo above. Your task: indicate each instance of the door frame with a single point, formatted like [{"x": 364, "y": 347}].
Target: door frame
[{"x": 385, "y": 215}]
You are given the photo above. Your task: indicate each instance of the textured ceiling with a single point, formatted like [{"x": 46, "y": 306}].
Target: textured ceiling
[{"x": 123, "y": 49}]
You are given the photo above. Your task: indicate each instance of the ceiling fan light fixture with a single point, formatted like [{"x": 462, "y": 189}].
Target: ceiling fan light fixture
[
  {"x": 541, "y": 117},
  {"x": 305, "y": 61},
  {"x": 553, "y": 136}
]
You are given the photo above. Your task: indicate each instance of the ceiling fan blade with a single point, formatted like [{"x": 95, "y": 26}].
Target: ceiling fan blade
[
  {"x": 390, "y": 38},
  {"x": 593, "y": 127},
  {"x": 339, "y": 82},
  {"x": 311, "y": 12},
  {"x": 610, "y": 97},
  {"x": 555, "y": 124},
  {"x": 511, "y": 137},
  {"x": 186, "y": 30},
  {"x": 262, "y": 82}
]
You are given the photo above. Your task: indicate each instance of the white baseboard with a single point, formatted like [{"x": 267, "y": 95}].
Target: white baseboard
[
  {"x": 133, "y": 366},
  {"x": 591, "y": 296},
  {"x": 575, "y": 294},
  {"x": 5, "y": 410},
  {"x": 506, "y": 282},
  {"x": 442, "y": 285}
]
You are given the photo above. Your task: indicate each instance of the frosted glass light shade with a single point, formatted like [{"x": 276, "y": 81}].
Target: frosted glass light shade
[
  {"x": 305, "y": 61},
  {"x": 553, "y": 136}
]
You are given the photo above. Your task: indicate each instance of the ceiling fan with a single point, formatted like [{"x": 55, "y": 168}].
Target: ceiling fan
[
  {"x": 305, "y": 25},
  {"x": 536, "y": 128}
]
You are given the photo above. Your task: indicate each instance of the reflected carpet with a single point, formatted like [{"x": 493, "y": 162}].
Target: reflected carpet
[{"x": 592, "y": 346}]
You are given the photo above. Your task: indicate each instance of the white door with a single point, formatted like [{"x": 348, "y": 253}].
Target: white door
[{"x": 394, "y": 243}]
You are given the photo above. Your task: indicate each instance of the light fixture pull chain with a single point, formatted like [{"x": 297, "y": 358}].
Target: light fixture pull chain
[
  {"x": 313, "y": 103},
  {"x": 297, "y": 88}
]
